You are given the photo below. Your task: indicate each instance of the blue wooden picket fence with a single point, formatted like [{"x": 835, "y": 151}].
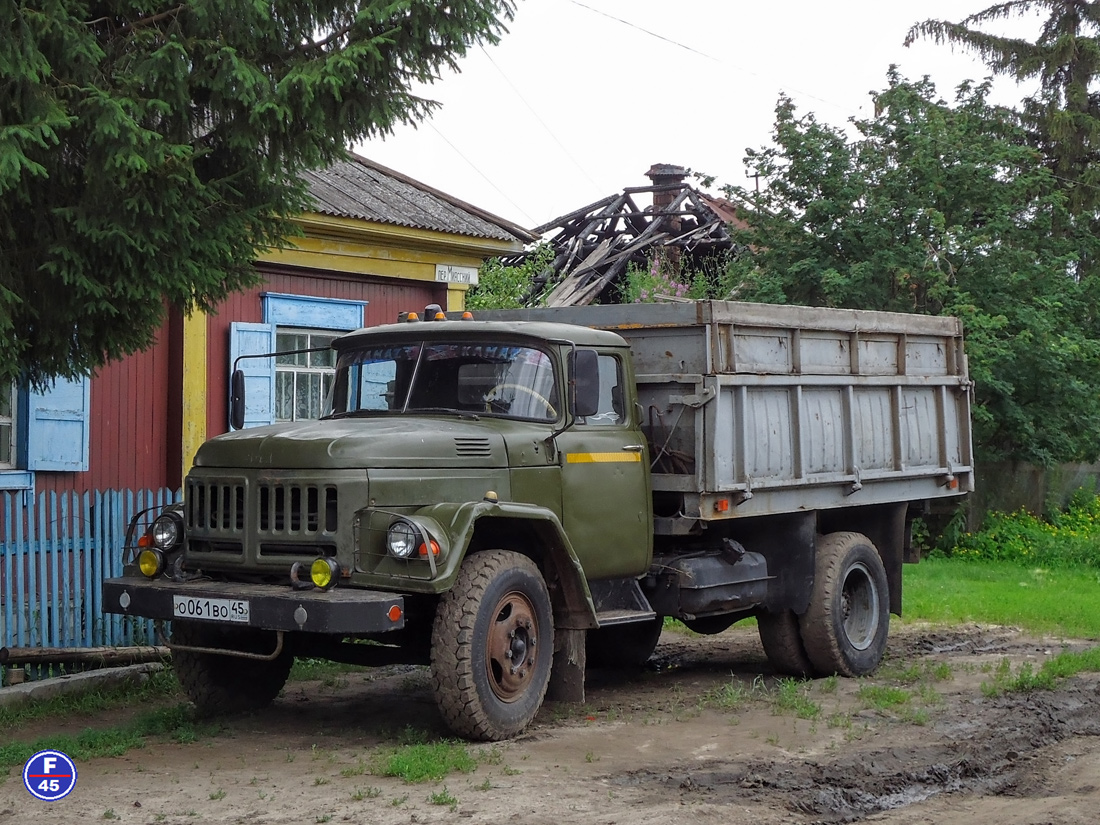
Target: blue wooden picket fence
[{"x": 55, "y": 551}]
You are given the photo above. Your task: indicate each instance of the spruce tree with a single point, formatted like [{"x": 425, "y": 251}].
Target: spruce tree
[{"x": 148, "y": 149}]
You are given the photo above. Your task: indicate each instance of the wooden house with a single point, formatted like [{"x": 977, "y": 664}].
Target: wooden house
[{"x": 377, "y": 242}]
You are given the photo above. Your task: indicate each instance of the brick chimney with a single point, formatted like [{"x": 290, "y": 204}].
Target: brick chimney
[
  {"x": 671, "y": 180},
  {"x": 666, "y": 174}
]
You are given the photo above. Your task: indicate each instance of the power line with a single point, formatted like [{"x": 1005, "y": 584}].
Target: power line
[
  {"x": 711, "y": 57},
  {"x": 598, "y": 189},
  {"x": 484, "y": 177}
]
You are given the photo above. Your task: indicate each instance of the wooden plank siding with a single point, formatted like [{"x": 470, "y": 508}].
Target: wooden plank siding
[
  {"x": 385, "y": 296},
  {"x": 134, "y": 439}
]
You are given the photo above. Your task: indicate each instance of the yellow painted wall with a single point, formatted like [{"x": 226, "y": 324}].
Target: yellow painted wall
[{"x": 194, "y": 387}]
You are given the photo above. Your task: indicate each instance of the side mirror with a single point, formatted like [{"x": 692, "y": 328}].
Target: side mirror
[
  {"x": 236, "y": 400},
  {"x": 584, "y": 381}
]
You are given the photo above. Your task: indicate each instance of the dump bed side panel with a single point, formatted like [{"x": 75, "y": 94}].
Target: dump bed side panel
[{"x": 754, "y": 409}]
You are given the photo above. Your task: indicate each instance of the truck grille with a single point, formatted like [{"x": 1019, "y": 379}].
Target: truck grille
[
  {"x": 296, "y": 508},
  {"x": 220, "y": 507},
  {"x": 216, "y": 506}
]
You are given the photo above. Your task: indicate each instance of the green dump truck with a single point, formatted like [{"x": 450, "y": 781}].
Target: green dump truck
[{"x": 516, "y": 497}]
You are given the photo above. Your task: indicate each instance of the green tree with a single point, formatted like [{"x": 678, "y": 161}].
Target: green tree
[
  {"x": 148, "y": 150},
  {"x": 1063, "y": 116},
  {"x": 939, "y": 209},
  {"x": 506, "y": 286}
]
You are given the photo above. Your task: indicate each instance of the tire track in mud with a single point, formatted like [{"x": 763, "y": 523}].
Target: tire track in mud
[{"x": 990, "y": 746}]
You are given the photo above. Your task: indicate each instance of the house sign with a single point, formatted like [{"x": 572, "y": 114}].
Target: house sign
[{"x": 450, "y": 274}]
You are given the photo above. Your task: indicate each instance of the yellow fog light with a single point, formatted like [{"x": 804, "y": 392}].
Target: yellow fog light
[
  {"x": 323, "y": 572},
  {"x": 151, "y": 562}
]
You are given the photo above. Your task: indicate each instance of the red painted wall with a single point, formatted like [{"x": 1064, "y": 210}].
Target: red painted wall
[
  {"x": 385, "y": 298},
  {"x": 136, "y": 403},
  {"x": 131, "y": 427}
]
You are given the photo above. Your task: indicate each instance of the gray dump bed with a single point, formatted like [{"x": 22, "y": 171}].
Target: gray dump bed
[{"x": 754, "y": 409}]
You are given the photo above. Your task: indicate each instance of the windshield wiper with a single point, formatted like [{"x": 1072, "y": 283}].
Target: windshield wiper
[
  {"x": 357, "y": 414},
  {"x": 460, "y": 413}
]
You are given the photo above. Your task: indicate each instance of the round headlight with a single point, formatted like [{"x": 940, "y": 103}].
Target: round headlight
[
  {"x": 151, "y": 562},
  {"x": 324, "y": 571},
  {"x": 402, "y": 539},
  {"x": 166, "y": 532}
]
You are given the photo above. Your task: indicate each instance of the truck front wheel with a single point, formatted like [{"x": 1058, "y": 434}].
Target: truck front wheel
[
  {"x": 844, "y": 629},
  {"x": 492, "y": 646},
  {"x": 228, "y": 684}
]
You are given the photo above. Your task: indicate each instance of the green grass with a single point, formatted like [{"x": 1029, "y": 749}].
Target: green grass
[
  {"x": 1027, "y": 678},
  {"x": 423, "y": 762},
  {"x": 161, "y": 684},
  {"x": 176, "y": 723},
  {"x": 1063, "y": 601},
  {"x": 790, "y": 697}
]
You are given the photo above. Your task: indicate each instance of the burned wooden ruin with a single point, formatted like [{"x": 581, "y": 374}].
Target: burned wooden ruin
[{"x": 595, "y": 245}]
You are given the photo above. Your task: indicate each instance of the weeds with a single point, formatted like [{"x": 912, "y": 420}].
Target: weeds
[
  {"x": 790, "y": 697},
  {"x": 176, "y": 723},
  {"x": 444, "y": 798},
  {"x": 423, "y": 762},
  {"x": 161, "y": 684}
]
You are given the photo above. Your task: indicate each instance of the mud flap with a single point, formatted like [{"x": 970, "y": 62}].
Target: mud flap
[{"x": 567, "y": 674}]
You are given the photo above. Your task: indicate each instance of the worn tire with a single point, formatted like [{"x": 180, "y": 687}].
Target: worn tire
[
  {"x": 227, "y": 684},
  {"x": 623, "y": 645},
  {"x": 498, "y": 610},
  {"x": 782, "y": 640},
  {"x": 844, "y": 629}
]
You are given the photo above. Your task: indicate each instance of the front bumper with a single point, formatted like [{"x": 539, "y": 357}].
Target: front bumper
[{"x": 271, "y": 607}]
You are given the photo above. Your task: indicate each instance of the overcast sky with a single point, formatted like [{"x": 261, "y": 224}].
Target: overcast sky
[{"x": 581, "y": 97}]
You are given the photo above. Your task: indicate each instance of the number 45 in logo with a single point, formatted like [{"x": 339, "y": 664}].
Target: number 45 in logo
[{"x": 49, "y": 775}]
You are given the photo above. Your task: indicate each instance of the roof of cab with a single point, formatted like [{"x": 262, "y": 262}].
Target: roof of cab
[{"x": 540, "y": 330}]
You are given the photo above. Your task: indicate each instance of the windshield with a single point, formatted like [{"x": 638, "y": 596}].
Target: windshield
[{"x": 480, "y": 378}]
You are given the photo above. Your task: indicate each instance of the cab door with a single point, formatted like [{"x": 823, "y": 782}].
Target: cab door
[{"x": 606, "y": 504}]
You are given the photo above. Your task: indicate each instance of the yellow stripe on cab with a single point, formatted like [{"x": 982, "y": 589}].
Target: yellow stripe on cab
[{"x": 603, "y": 458}]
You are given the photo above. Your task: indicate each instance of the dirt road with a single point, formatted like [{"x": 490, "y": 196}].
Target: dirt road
[{"x": 705, "y": 734}]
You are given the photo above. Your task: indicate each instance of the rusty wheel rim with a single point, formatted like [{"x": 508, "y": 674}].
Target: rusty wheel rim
[{"x": 510, "y": 663}]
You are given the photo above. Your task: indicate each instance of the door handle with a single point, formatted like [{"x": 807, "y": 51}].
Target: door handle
[{"x": 633, "y": 448}]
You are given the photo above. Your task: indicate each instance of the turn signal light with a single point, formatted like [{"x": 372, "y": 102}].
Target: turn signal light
[{"x": 424, "y": 549}]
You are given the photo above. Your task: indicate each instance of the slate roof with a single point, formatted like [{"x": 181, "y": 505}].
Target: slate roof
[{"x": 362, "y": 189}]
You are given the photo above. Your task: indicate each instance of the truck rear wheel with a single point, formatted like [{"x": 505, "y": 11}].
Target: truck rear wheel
[
  {"x": 782, "y": 640},
  {"x": 845, "y": 627},
  {"x": 623, "y": 645},
  {"x": 493, "y": 646},
  {"x": 228, "y": 684}
]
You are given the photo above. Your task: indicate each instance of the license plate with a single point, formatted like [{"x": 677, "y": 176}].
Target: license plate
[{"x": 217, "y": 610}]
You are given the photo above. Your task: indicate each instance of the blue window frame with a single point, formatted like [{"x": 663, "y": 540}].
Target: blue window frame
[
  {"x": 294, "y": 387},
  {"x": 44, "y": 431}
]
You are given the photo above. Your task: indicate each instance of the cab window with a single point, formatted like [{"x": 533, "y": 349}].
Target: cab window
[{"x": 612, "y": 409}]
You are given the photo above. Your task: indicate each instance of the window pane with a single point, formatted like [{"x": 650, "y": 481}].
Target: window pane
[
  {"x": 327, "y": 358},
  {"x": 315, "y": 395},
  {"x": 284, "y": 395},
  {"x": 5, "y": 443},
  {"x": 5, "y": 401},
  {"x": 301, "y": 396},
  {"x": 288, "y": 341}
]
